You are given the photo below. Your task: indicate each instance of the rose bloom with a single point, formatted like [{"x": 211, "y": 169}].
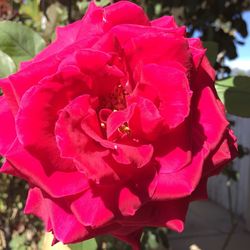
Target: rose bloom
[{"x": 115, "y": 126}]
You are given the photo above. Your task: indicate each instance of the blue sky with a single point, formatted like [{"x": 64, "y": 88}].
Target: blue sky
[{"x": 243, "y": 60}]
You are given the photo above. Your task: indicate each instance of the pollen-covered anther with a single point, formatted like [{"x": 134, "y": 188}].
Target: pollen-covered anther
[{"x": 124, "y": 129}]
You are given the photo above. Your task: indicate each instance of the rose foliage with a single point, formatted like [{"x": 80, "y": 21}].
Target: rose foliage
[{"x": 116, "y": 126}]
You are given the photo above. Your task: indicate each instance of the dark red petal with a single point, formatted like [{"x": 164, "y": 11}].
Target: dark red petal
[
  {"x": 66, "y": 228},
  {"x": 137, "y": 156},
  {"x": 9, "y": 94},
  {"x": 35, "y": 123},
  {"x": 128, "y": 201},
  {"x": 170, "y": 213},
  {"x": 170, "y": 47},
  {"x": 36, "y": 205},
  {"x": 117, "y": 119},
  {"x": 209, "y": 116},
  {"x": 182, "y": 183},
  {"x": 146, "y": 122},
  {"x": 97, "y": 66},
  {"x": 173, "y": 151},
  {"x": 56, "y": 184},
  {"x": 200, "y": 193},
  {"x": 197, "y": 50},
  {"x": 7, "y": 127},
  {"x": 225, "y": 152},
  {"x": 172, "y": 88},
  {"x": 30, "y": 76},
  {"x": 75, "y": 128},
  {"x": 132, "y": 238},
  {"x": 90, "y": 209}
]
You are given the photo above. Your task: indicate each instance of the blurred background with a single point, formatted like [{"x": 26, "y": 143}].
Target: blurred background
[{"x": 222, "y": 222}]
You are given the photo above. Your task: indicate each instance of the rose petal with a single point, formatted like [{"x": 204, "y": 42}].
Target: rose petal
[
  {"x": 132, "y": 238},
  {"x": 76, "y": 123},
  {"x": 182, "y": 183},
  {"x": 36, "y": 205},
  {"x": 7, "y": 127},
  {"x": 116, "y": 120},
  {"x": 173, "y": 151},
  {"x": 95, "y": 213},
  {"x": 225, "y": 152},
  {"x": 91, "y": 23},
  {"x": 56, "y": 184},
  {"x": 170, "y": 213},
  {"x": 65, "y": 226},
  {"x": 9, "y": 94},
  {"x": 173, "y": 91},
  {"x": 141, "y": 50},
  {"x": 124, "y": 12},
  {"x": 146, "y": 122},
  {"x": 35, "y": 123},
  {"x": 210, "y": 118},
  {"x": 164, "y": 22},
  {"x": 128, "y": 202}
]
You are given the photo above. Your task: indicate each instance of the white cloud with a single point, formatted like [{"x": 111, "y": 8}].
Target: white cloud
[{"x": 243, "y": 64}]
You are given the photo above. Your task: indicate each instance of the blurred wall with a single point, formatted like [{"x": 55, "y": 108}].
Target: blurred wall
[{"x": 217, "y": 187}]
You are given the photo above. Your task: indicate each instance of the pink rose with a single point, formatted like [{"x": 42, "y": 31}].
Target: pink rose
[{"x": 116, "y": 125}]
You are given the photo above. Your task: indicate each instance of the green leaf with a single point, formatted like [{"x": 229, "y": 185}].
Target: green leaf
[
  {"x": 31, "y": 9},
  {"x": 212, "y": 51},
  {"x": 88, "y": 244},
  {"x": 19, "y": 42},
  {"x": 234, "y": 92},
  {"x": 153, "y": 244},
  {"x": 7, "y": 66},
  {"x": 82, "y": 6},
  {"x": 103, "y": 2},
  {"x": 56, "y": 15}
]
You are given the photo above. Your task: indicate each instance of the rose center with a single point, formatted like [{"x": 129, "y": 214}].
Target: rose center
[
  {"x": 112, "y": 102},
  {"x": 115, "y": 100}
]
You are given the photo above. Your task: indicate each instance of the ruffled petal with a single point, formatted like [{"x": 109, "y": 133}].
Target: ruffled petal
[
  {"x": 128, "y": 202},
  {"x": 146, "y": 123},
  {"x": 173, "y": 92},
  {"x": 35, "y": 123},
  {"x": 9, "y": 94},
  {"x": 181, "y": 183},
  {"x": 209, "y": 117},
  {"x": 60, "y": 220},
  {"x": 36, "y": 205},
  {"x": 173, "y": 151},
  {"x": 74, "y": 129},
  {"x": 171, "y": 48},
  {"x": 225, "y": 152},
  {"x": 56, "y": 184},
  {"x": 95, "y": 213},
  {"x": 124, "y": 12},
  {"x": 165, "y": 22},
  {"x": 170, "y": 213},
  {"x": 198, "y": 52},
  {"x": 66, "y": 228},
  {"x": 103, "y": 76}
]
